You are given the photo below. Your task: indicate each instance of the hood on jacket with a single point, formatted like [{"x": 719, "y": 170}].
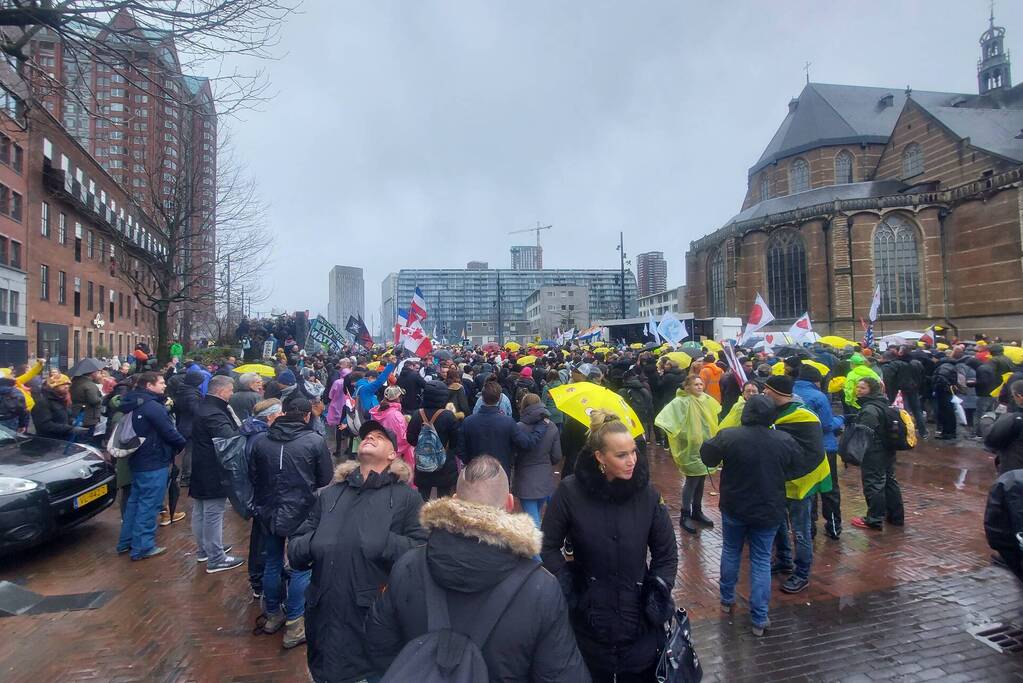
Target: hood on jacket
[
  {"x": 397, "y": 468},
  {"x": 435, "y": 395},
  {"x": 596, "y": 484},
  {"x": 7, "y": 383},
  {"x": 534, "y": 414},
  {"x": 193, "y": 378},
  {"x": 488, "y": 525},
  {"x": 759, "y": 410},
  {"x": 134, "y": 399},
  {"x": 252, "y": 426},
  {"x": 457, "y": 386},
  {"x": 285, "y": 429}
]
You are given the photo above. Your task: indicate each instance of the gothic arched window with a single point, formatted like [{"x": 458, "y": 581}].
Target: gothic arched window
[
  {"x": 799, "y": 176},
  {"x": 912, "y": 160},
  {"x": 786, "y": 274},
  {"x": 765, "y": 186},
  {"x": 897, "y": 266},
  {"x": 843, "y": 168},
  {"x": 716, "y": 283}
]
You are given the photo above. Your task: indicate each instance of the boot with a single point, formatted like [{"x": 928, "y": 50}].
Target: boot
[
  {"x": 294, "y": 633},
  {"x": 686, "y": 522},
  {"x": 274, "y": 622},
  {"x": 701, "y": 518}
]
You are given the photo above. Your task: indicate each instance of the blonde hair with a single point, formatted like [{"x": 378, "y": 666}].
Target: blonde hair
[{"x": 603, "y": 423}]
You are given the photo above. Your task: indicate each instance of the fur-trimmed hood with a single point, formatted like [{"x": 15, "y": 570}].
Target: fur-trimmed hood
[
  {"x": 486, "y": 524},
  {"x": 397, "y": 467}
]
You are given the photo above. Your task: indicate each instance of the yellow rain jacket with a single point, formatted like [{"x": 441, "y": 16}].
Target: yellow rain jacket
[{"x": 689, "y": 421}]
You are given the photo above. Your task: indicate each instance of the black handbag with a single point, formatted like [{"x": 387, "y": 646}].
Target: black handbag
[{"x": 678, "y": 662}]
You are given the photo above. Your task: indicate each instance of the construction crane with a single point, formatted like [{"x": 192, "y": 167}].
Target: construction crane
[{"x": 537, "y": 230}]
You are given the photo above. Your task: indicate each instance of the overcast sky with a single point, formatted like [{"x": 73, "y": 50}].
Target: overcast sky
[{"x": 418, "y": 134}]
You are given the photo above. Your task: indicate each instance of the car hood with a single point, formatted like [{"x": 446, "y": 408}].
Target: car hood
[{"x": 32, "y": 455}]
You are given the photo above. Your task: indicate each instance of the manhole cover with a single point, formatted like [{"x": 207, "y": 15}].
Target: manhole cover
[{"x": 1002, "y": 637}]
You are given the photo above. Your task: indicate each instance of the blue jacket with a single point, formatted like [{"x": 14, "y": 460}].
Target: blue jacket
[
  {"x": 154, "y": 424},
  {"x": 205, "y": 384},
  {"x": 252, "y": 428},
  {"x": 490, "y": 432},
  {"x": 816, "y": 401},
  {"x": 366, "y": 391},
  {"x": 504, "y": 405}
]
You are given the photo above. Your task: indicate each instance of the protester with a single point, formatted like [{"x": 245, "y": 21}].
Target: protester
[
  {"x": 554, "y": 380},
  {"x": 945, "y": 383},
  {"x": 213, "y": 419},
  {"x": 357, "y": 529},
  {"x": 13, "y": 409},
  {"x": 366, "y": 389},
  {"x": 489, "y": 432},
  {"x": 711, "y": 375},
  {"x": 534, "y": 468},
  {"x": 756, "y": 463},
  {"x": 249, "y": 393},
  {"x": 880, "y": 488},
  {"x": 807, "y": 387},
  {"x": 388, "y": 413},
  {"x": 734, "y": 416},
  {"x": 1005, "y": 439},
  {"x": 287, "y": 467},
  {"x": 688, "y": 420},
  {"x": 456, "y": 394},
  {"x": 87, "y": 400},
  {"x": 858, "y": 369},
  {"x": 186, "y": 399},
  {"x": 150, "y": 465},
  {"x": 253, "y": 429},
  {"x": 810, "y": 474},
  {"x": 638, "y": 396},
  {"x": 413, "y": 384},
  {"x": 448, "y": 439},
  {"x": 618, "y": 601},
  {"x": 475, "y": 544},
  {"x": 50, "y": 415}
]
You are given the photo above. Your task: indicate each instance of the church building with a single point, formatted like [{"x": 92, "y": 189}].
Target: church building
[{"x": 918, "y": 192}]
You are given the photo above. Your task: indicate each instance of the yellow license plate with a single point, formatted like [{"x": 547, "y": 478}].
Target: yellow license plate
[{"x": 90, "y": 496}]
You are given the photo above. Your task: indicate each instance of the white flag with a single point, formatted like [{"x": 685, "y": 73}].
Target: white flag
[
  {"x": 875, "y": 304},
  {"x": 759, "y": 316},
  {"x": 672, "y": 329},
  {"x": 651, "y": 328},
  {"x": 801, "y": 328}
]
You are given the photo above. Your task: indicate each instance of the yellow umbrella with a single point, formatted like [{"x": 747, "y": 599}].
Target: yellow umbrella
[
  {"x": 603, "y": 350},
  {"x": 580, "y": 399},
  {"x": 779, "y": 368},
  {"x": 836, "y": 385},
  {"x": 526, "y": 360},
  {"x": 1014, "y": 353},
  {"x": 375, "y": 365},
  {"x": 712, "y": 345},
  {"x": 542, "y": 347},
  {"x": 680, "y": 358},
  {"x": 565, "y": 353},
  {"x": 512, "y": 346},
  {"x": 837, "y": 342},
  {"x": 599, "y": 343},
  {"x": 942, "y": 347},
  {"x": 637, "y": 345},
  {"x": 258, "y": 368}
]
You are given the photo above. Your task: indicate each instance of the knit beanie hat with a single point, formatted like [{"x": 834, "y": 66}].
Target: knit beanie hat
[
  {"x": 780, "y": 384},
  {"x": 286, "y": 378}
]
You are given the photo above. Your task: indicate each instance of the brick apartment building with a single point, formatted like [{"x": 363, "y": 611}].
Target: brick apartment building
[
  {"x": 14, "y": 143},
  {"x": 919, "y": 192}
]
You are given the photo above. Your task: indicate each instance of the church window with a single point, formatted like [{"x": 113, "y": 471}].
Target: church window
[
  {"x": 897, "y": 266},
  {"x": 799, "y": 176},
  {"x": 716, "y": 283},
  {"x": 765, "y": 186},
  {"x": 912, "y": 160},
  {"x": 843, "y": 168},
  {"x": 786, "y": 274}
]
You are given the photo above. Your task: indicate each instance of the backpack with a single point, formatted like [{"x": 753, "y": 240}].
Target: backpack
[
  {"x": 443, "y": 655},
  {"x": 855, "y": 441},
  {"x": 898, "y": 431},
  {"x": 123, "y": 440},
  {"x": 430, "y": 453}
]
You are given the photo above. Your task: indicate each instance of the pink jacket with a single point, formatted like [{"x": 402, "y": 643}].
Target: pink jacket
[
  {"x": 338, "y": 400},
  {"x": 393, "y": 420}
]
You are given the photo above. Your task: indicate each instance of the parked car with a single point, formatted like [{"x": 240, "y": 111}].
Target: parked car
[{"x": 48, "y": 486}]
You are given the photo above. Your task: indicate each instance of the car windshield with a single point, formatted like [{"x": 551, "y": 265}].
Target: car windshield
[{"x": 7, "y": 435}]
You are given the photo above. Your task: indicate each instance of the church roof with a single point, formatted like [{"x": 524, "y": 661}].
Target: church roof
[
  {"x": 825, "y": 114},
  {"x": 992, "y": 130},
  {"x": 819, "y": 195}
]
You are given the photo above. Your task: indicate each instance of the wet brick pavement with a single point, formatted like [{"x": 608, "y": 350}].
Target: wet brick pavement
[{"x": 895, "y": 605}]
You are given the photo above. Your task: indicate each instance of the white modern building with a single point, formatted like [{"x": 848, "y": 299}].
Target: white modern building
[
  {"x": 346, "y": 295},
  {"x": 388, "y": 304},
  {"x": 555, "y": 307},
  {"x": 673, "y": 300}
]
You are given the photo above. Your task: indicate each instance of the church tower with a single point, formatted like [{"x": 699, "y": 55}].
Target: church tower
[{"x": 993, "y": 67}]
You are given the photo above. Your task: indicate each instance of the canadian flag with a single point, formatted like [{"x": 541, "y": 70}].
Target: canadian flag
[
  {"x": 414, "y": 338},
  {"x": 759, "y": 316},
  {"x": 801, "y": 328}
]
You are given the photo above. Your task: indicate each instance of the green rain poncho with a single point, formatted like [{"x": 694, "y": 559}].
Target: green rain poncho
[
  {"x": 858, "y": 369},
  {"x": 689, "y": 421}
]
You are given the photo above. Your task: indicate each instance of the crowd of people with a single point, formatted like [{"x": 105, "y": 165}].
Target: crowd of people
[{"x": 376, "y": 485}]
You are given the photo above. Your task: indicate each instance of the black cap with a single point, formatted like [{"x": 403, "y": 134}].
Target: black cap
[
  {"x": 780, "y": 384},
  {"x": 374, "y": 426},
  {"x": 810, "y": 374}
]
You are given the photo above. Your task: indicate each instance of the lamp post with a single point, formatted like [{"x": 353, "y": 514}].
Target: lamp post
[{"x": 621, "y": 251}]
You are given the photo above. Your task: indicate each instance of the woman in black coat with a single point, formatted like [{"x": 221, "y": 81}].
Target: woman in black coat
[
  {"x": 618, "y": 602},
  {"x": 435, "y": 398}
]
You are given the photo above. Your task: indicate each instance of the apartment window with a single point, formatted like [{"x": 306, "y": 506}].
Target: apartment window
[
  {"x": 90, "y": 302},
  {"x": 62, "y": 228},
  {"x": 44, "y": 282},
  {"x": 102, "y": 298},
  {"x": 3, "y": 250},
  {"x": 78, "y": 296},
  {"x": 61, "y": 287},
  {"x": 14, "y": 309},
  {"x": 18, "y": 163},
  {"x": 78, "y": 249},
  {"x": 102, "y": 250},
  {"x": 15, "y": 254},
  {"x": 120, "y": 305},
  {"x": 44, "y": 220}
]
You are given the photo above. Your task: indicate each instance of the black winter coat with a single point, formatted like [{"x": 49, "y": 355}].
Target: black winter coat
[
  {"x": 213, "y": 419},
  {"x": 87, "y": 399},
  {"x": 1003, "y": 518},
  {"x": 639, "y": 399},
  {"x": 355, "y": 532},
  {"x": 243, "y": 401},
  {"x": 287, "y": 467},
  {"x": 50, "y": 415},
  {"x": 413, "y": 384},
  {"x": 488, "y": 432},
  {"x": 573, "y": 441},
  {"x": 471, "y": 549},
  {"x": 667, "y": 385},
  {"x": 435, "y": 397},
  {"x": 872, "y": 415},
  {"x": 534, "y": 468},
  {"x": 612, "y": 526},
  {"x": 1006, "y": 440},
  {"x": 186, "y": 402}
]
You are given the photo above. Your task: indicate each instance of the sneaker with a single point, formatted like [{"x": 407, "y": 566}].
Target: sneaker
[
  {"x": 178, "y": 516},
  {"x": 861, "y": 523},
  {"x": 794, "y": 584},
  {"x": 152, "y": 553},
  {"x": 294, "y": 633},
  {"x": 200, "y": 555},
  {"x": 164, "y": 519},
  {"x": 779, "y": 568},
  {"x": 728, "y": 608},
  {"x": 229, "y": 562},
  {"x": 759, "y": 630},
  {"x": 257, "y": 593},
  {"x": 122, "y": 551},
  {"x": 832, "y": 531},
  {"x": 274, "y": 622}
]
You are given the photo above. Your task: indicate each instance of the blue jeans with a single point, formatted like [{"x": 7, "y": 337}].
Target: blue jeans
[
  {"x": 799, "y": 522},
  {"x": 533, "y": 507},
  {"x": 138, "y": 524},
  {"x": 295, "y": 607},
  {"x": 734, "y": 534}
]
